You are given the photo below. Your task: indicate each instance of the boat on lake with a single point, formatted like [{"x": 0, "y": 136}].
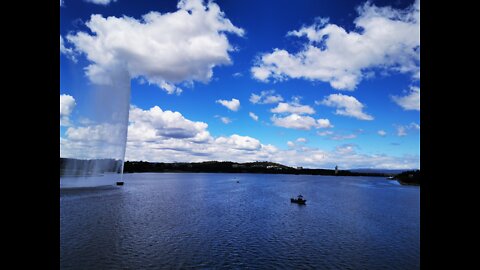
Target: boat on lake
[{"x": 299, "y": 200}]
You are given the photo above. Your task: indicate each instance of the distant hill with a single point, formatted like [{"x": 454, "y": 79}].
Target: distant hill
[
  {"x": 234, "y": 167},
  {"x": 70, "y": 166}
]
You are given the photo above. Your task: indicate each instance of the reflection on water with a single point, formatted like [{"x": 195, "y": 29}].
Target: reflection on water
[{"x": 211, "y": 221}]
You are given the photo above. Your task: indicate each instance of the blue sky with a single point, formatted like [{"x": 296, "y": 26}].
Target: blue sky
[{"x": 330, "y": 83}]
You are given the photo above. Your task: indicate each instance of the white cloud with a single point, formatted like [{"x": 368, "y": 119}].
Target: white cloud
[
  {"x": 233, "y": 104},
  {"x": 384, "y": 38},
  {"x": 340, "y": 137},
  {"x": 301, "y": 140},
  {"x": 325, "y": 133},
  {"x": 67, "y": 104},
  {"x": 323, "y": 123},
  {"x": 410, "y": 101},
  {"x": 237, "y": 74},
  {"x": 382, "y": 133},
  {"x": 240, "y": 142},
  {"x": 225, "y": 120},
  {"x": 159, "y": 144},
  {"x": 69, "y": 52},
  {"x": 293, "y": 107},
  {"x": 265, "y": 97},
  {"x": 156, "y": 123},
  {"x": 346, "y": 149},
  {"x": 296, "y": 121},
  {"x": 402, "y": 130},
  {"x": 346, "y": 105},
  {"x": 102, "y": 140},
  {"x": 253, "y": 116},
  {"x": 101, "y": 2},
  {"x": 297, "y": 141},
  {"x": 164, "y": 136},
  {"x": 414, "y": 126},
  {"x": 254, "y": 98},
  {"x": 164, "y": 49},
  {"x": 240, "y": 148}
]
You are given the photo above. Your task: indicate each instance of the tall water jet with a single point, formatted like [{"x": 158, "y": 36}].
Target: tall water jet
[
  {"x": 95, "y": 152},
  {"x": 165, "y": 49}
]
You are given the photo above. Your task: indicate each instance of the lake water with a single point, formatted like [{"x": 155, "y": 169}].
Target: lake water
[{"x": 209, "y": 221}]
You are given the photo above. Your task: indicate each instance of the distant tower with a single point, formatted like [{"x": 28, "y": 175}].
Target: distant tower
[{"x": 336, "y": 170}]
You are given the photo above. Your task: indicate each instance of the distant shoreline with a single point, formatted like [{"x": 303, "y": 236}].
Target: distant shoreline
[
  {"x": 233, "y": 167},
  {"x": 285, "y": 173},
  {"x": 407, "y": 184},
  {"x": 257, "y": 167}
]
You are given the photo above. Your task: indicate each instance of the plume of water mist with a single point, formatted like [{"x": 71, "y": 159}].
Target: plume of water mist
[{"x": 97, "y": 149}]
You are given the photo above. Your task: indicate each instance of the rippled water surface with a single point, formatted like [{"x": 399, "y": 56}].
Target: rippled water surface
[{"x": 209, "y": 221}]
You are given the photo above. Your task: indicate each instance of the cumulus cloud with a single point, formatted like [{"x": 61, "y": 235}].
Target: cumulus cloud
[
  {"x": 145, "y": 127},
  {"x": 67, "y": 104},
  {"x": 382, "y": 133},
  {"x": 411, "y": 101},
  {"x": 232, "y": 105},
  {"x": 68, "y": 52},
  {"x": 296, "y": 121},
  {"x": 346, "y": 105},
  {"x": 265, "y": 97},
  {"x": 240, "y": 142},
  {"x": 196, "y": 145},
  {"x": 346, "y": 156},
  {"x": 164, "y": 49},
  {"x": 293, "y": 107},
  {"x": 100, "y": 2},
  {"x": 253, "y": 116},
  {"x": 239, "y": 148},
  {"x": 158, "y": 135},
  {"x": 384, "y": 38},
  {"x": 154, "y": 123}
]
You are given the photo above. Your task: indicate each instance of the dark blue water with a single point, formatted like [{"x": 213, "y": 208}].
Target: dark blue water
[{"x": 209, "y": 221}]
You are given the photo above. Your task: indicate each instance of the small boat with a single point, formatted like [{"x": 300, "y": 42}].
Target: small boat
[
  {"x": 120, "y": 183},
  {"x": 298, "y": 200},
  {"x": 390, "y": 178}
]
